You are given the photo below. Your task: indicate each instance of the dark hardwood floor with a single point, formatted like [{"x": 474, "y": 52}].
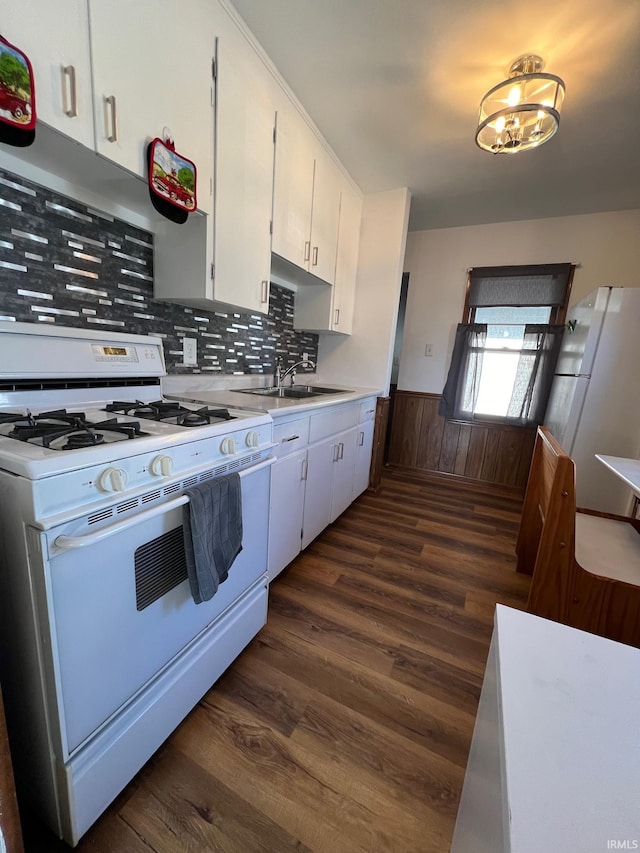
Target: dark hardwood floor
[{"x": 345, "y": 726}]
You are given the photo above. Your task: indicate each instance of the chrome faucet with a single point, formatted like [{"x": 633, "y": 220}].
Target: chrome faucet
[{"x": 280, "y": 376}]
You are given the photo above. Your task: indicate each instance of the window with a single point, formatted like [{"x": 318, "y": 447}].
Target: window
[{"x": 506, "y": 349}]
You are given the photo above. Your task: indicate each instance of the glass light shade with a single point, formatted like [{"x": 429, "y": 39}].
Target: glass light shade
[{"x": 521, "y": 112}]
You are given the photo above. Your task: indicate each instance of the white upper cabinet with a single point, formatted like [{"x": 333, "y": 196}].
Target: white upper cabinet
[
  {"x": 306, "y": 197},
  {"x": 319, "y": 308},
  {"x": 55, "y": 37},
  {"x": 324, "y": 218},
  {"x": 293, "y": 186},
  {"x": 344, "y": 287},
  {"x": 244, "y": 159},
  {"x": 152, "y": 73},
  {"x": 223, "y": 261}
]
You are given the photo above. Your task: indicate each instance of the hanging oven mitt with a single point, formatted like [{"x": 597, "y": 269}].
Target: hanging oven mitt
[
  {"x": 172, "y": 180},
  {"x": 17, "y": 96}
]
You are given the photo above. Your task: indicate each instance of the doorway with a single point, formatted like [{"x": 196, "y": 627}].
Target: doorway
[{"x": 397, "y": 352}]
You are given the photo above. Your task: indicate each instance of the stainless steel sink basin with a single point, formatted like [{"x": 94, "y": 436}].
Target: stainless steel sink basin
[{"x": 293, "y": 392}]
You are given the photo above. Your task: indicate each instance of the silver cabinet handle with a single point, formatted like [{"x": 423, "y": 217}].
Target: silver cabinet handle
[
  {"x": 307, "y": 250},
  {"x": 69, "y": 91},
  {"x": 336, "y": 452},
  {"x": 111, "y": 118},
  {"x": 305, "y": 469},
  {"x": 337, "y": 317},
  {"x": 341, "y": 450},
  {"x": 314, "y": 262},
  {"x": 291, "y": 438},
  {"x": 264, "y": 297},
  {"x": 361, "y": 442}
]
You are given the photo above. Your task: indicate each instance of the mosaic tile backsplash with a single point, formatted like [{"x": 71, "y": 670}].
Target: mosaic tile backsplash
[{"x": 64, "y": 263}]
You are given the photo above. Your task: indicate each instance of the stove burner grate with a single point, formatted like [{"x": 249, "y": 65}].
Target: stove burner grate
[
  {"x": 48, "y": 428},
  {"x": 165, "y": 410}
]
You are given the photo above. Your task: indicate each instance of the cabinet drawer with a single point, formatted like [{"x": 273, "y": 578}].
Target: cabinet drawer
[
  {"x": 290, "y": 435},
  {"x": 333, "y": 421},
  {"x": 367, "y": 410}
]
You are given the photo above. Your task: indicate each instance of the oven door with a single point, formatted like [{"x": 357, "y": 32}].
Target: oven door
[{"x": 120, "y": 606}]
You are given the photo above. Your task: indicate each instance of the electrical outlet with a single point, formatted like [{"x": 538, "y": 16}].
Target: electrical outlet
[
  {"x": 189, "y": 351},
  {"x": 428, "y": 350},
  {"x": 305, "y": 356}
]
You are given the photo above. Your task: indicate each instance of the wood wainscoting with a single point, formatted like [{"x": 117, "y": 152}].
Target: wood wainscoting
[{"x": 423, "y": 441}]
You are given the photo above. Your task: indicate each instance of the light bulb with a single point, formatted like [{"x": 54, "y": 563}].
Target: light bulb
[
  {"x": 499, "y": 124},
  {"x": 514, "y": 96}
]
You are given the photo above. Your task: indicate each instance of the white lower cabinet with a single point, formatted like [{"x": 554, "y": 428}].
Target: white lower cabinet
[
  {"x": 287, "y": 505},
  {"x": 317, "y": 498},
  {"x": 329, "y": 483},
  {"x": 314, "y": 479}
]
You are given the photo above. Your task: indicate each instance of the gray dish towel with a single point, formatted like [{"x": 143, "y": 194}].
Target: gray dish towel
[{"x": 212, "y": 525}]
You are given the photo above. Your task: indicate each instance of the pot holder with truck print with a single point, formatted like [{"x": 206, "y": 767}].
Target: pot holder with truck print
[
  {"x": 172, "y": 180},
  {"x": 17, "y": 96}
]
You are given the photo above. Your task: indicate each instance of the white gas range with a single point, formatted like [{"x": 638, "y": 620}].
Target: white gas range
[{"x": 103, "y": 649}]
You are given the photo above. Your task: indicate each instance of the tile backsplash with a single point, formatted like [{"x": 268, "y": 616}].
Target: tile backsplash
[{"x": 65, "y": 263}]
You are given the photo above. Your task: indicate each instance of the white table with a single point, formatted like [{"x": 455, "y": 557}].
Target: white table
[
  {"x": 554, "y": 759},
  {"x": 628, "y": 470}
]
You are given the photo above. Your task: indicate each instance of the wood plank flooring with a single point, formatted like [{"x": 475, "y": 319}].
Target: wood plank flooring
[{"x": 345, "y": 726}]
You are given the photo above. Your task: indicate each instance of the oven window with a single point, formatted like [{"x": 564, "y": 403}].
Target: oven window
[{"x": 159, "y": 566}]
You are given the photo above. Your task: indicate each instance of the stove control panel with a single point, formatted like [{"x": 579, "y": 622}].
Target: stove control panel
[{"x": 173, "y": 457}]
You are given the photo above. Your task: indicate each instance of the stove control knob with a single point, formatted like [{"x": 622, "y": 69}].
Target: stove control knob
[
  {"x": 228, "y": 446},
  {"x": 161, "y": 466},
  {"x": 252, "y": 439},
  {"x": 112, "y": 480}
]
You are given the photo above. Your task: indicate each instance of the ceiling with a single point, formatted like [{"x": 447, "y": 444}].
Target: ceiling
[{"x": 395, "y": 86}]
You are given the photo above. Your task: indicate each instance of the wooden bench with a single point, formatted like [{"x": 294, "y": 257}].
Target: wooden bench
[{"x": 585, "y": 566}]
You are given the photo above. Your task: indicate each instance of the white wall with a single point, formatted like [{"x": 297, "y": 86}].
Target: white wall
[
  {"x": 364, "y": 359},
  {"x": 605, "y": 246}
]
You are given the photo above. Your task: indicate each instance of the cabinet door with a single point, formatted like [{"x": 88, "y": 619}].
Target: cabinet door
[
  {"x": 152, "y": 74},
  {"x": 322, "y": 459},
  {"x": 364, "y": 447},
  {"x": 286, "y": 510},
  {"x": 324, "y": 218},
  {"x": 342, "y": 485},
  {"x": 55, "y": 37},
  {"x": 245, "y": 116},
  {"x": 293, "y": 186},
  {"x": 344, "y": 286}
]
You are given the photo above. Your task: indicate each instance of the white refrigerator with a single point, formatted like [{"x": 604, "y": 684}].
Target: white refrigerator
[{"x": 594, "y": 406}]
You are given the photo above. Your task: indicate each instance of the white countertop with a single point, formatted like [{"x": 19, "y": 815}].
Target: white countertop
[
  {"x": 570, "y": 708},
  {"x": 627, "y": 470},
  {"x": 202, "y": 389}
]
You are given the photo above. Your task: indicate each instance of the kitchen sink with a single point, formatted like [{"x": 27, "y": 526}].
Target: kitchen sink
[{"x": 294, "y": 392}]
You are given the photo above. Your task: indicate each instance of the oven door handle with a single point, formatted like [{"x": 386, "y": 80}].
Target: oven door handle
[{"x": 67, "y": 543}]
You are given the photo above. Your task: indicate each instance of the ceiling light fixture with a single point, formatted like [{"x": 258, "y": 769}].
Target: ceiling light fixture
[{"x": 523, "y": 111}]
